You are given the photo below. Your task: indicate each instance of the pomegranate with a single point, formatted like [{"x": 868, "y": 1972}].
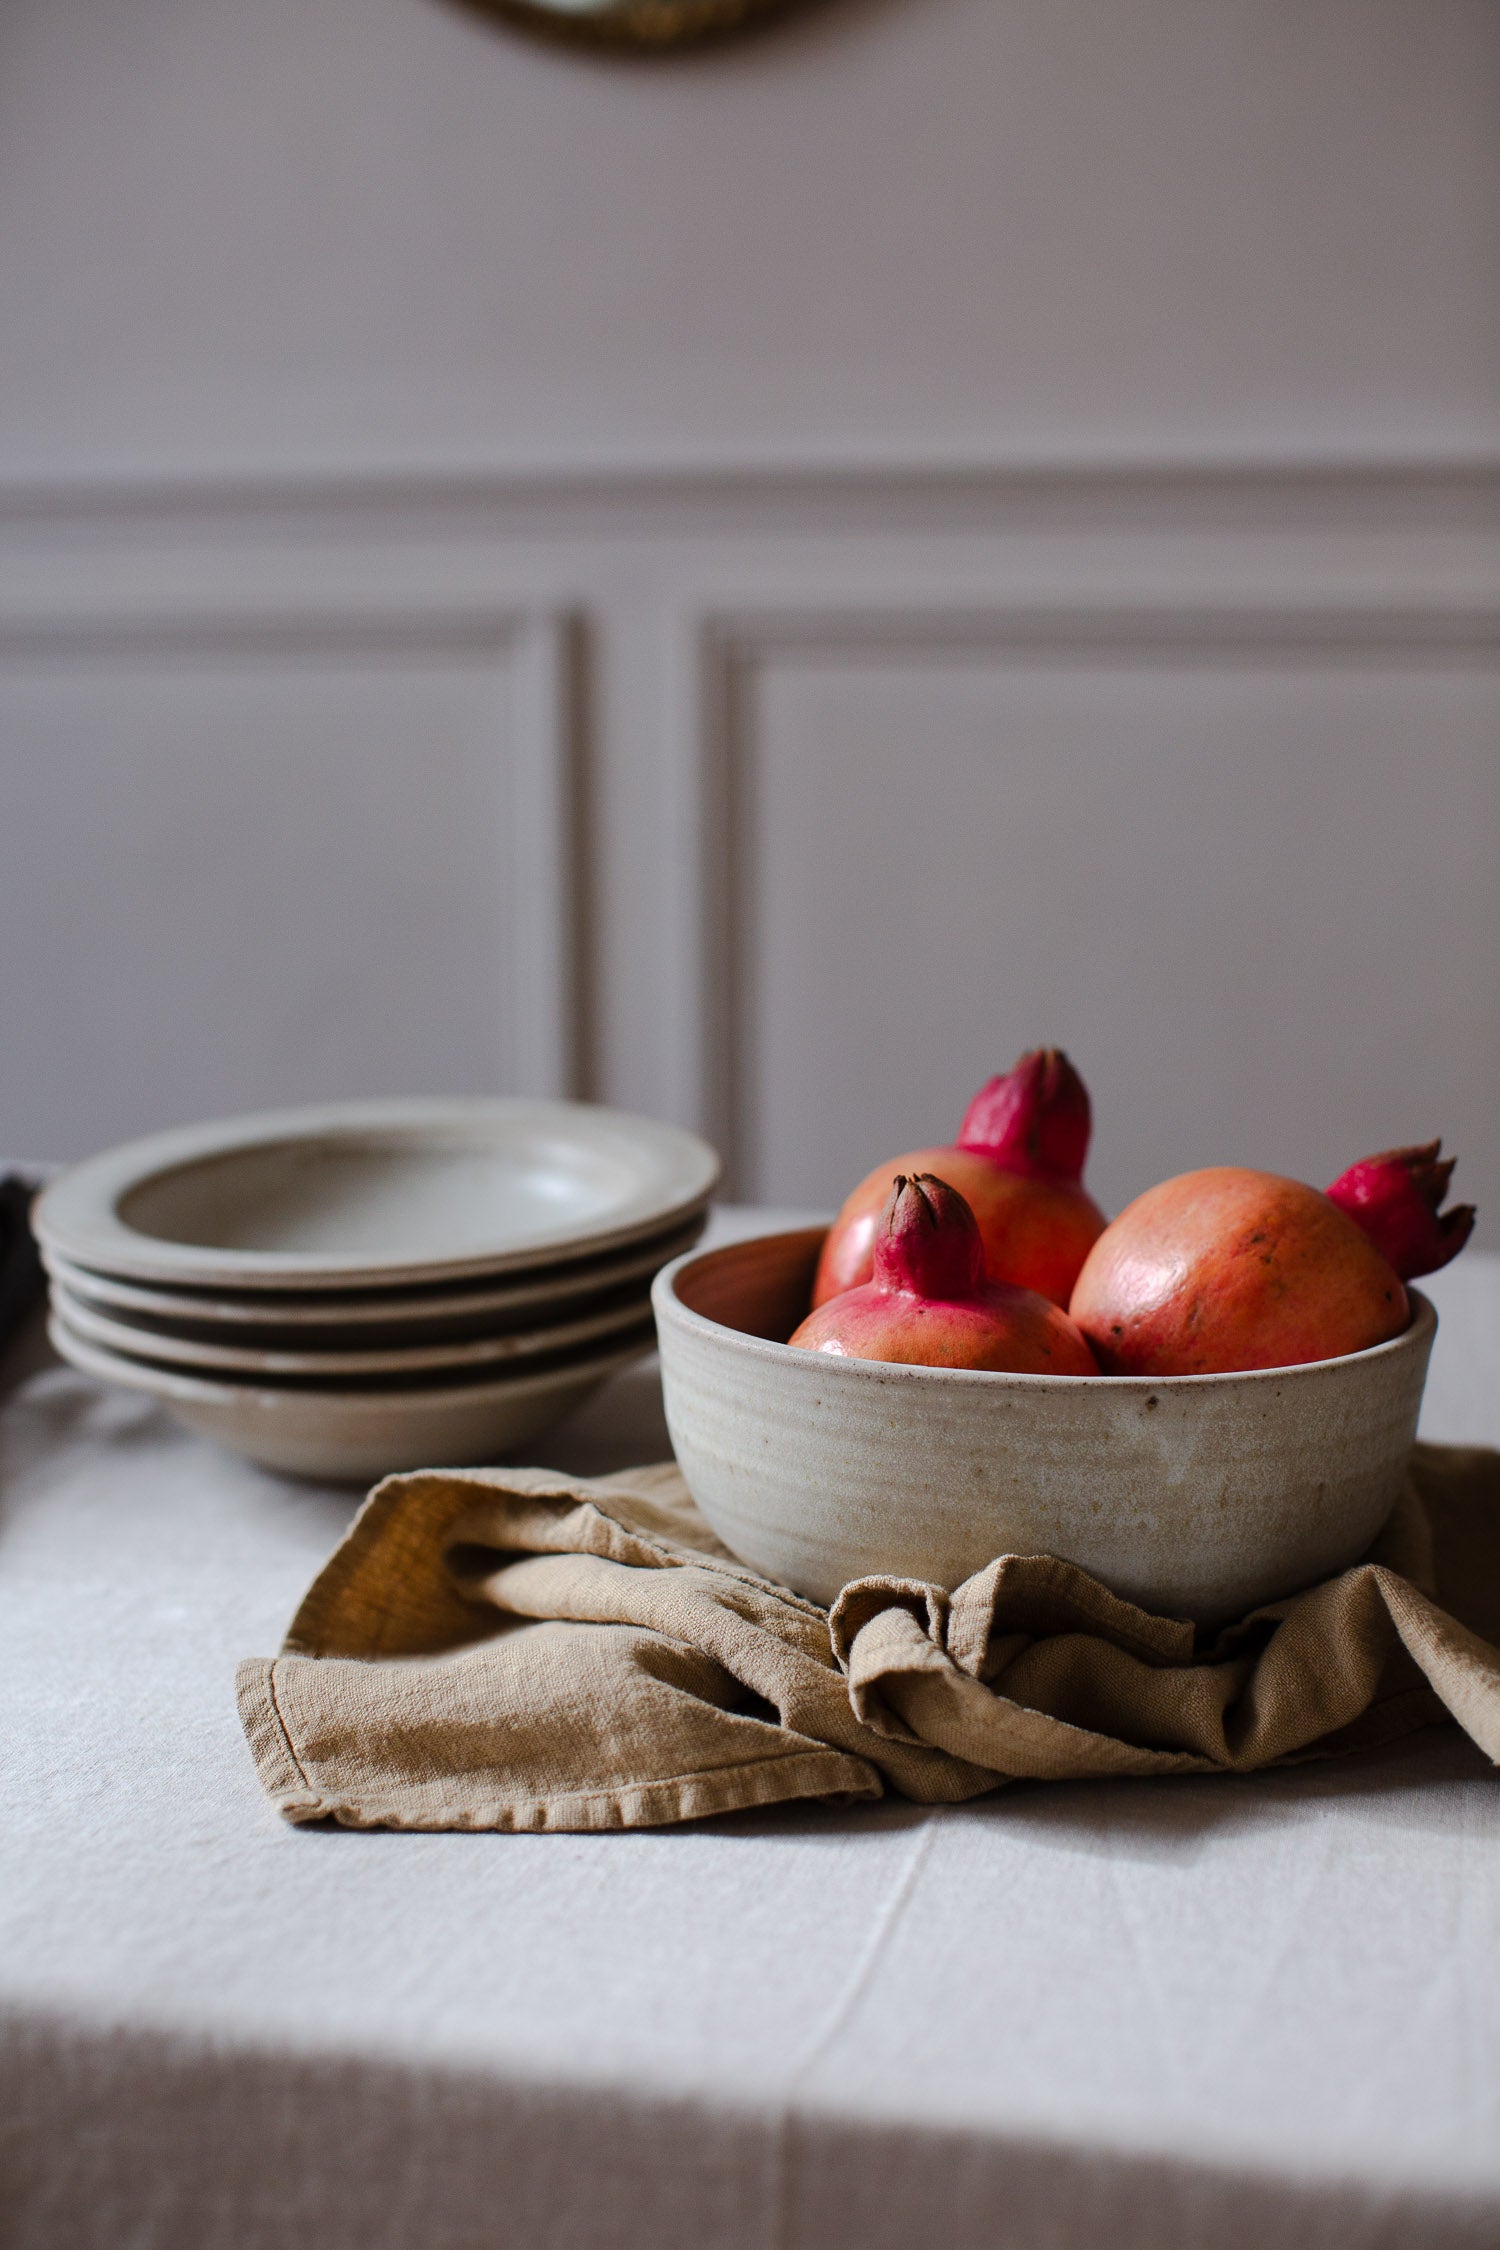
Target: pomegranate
[
  {"x": 1395, "y": 1198},
  {"x": 929, "y": 1304},
  {"x": 1223, "y": 1270},
  {"x": 1019, "y": 1162}
]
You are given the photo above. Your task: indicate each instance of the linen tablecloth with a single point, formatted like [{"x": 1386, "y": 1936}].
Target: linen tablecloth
[{"x": 1212, "y": 2011}]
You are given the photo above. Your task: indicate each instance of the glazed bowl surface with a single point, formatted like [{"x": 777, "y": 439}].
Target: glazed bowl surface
[
  {"x": 1195, "y": 1496},
  {"x": 355, "y": 1433}
]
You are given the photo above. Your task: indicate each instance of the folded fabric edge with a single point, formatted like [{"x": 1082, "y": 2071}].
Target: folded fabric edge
[
  {"x": 276, "y": 1762},
  {"x": 830, "y": 1775}
]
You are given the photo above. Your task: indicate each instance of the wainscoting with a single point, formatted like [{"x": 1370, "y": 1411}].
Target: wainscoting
[{"x": 787, "y": 801}]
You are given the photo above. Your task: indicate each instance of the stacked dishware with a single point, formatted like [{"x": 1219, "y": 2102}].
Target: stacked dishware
[{"x": 371, "y": 1286}]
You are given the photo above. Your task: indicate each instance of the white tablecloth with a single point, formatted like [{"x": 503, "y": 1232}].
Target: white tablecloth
[{"x": 1205, "y": 2012}]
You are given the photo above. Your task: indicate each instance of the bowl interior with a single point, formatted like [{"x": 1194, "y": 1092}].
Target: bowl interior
[
  {"x": 761, "y": 1287},
  {"x": 381, "y": 1196},
  {"x": 360, "y": 1193}
]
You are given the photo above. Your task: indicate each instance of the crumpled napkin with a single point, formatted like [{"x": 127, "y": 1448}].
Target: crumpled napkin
[{"x": 512, "y": 1649}]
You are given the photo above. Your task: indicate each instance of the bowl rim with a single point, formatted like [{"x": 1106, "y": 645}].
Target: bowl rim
[
  {"x": 81, "y": 1212},
  {"x": 414, "y": 1306},
  {"x": 174, "y": 1386},
  {"x": 669, "y": 1307},
  {"x": 240, "y": 1363}
]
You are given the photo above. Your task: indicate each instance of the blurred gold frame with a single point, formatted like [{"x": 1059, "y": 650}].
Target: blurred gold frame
[{"x": 638, "y": 24}]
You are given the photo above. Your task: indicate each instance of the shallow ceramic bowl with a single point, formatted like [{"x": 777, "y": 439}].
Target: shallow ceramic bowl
[
  {"x": 367, "y": 1194},
  {"x": 349, "y": 1434},
  {"x": 451, "y": 1362},
  {"x": 1196, "y": 1496},
  {"x": 368, "y": 1319}
]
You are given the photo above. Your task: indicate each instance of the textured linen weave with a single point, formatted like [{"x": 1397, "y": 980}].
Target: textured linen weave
[{"x": 512, "y": 1649}]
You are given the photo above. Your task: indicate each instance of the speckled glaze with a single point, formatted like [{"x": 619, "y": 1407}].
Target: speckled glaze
[{"x": 1196, "y": 1496}]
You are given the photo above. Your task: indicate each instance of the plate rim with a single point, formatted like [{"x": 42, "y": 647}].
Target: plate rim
[
  {"x": 191, "y": 1355},
  {"x": 170, "y": 1385},
  {"x": 77, "y": 1213},
  {"x": 375, "y": 1308}
]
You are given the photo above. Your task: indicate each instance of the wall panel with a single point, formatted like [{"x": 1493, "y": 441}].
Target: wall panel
[
  {"x": 1246, "y": 867},
  {"x": 249, "y": 860},
  {"x": 785, "y": 805}
]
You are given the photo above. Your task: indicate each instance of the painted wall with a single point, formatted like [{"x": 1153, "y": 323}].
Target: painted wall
[
  {"x": 356, "y": 231},
  {"x": 758, "y": 585}
]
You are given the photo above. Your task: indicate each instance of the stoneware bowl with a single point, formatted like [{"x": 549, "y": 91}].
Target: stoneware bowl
[
  {"x": 375, "y": 1194},
  {"x": 353, "y": 1435},
  {"x": 370, "y": 1318},
  {"x": 243, "y": 1363},
  {"x": 1196, "y": 1496}
]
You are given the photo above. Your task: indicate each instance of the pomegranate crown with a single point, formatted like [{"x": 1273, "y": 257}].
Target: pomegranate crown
[
  {"x": 1035, "y": 1119},
  {"x": 928, "y": 1240},
  {"x": 1395, "y": 1197}
]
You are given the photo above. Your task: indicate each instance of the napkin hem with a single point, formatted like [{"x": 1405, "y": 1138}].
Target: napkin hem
[
  {"x": 829, "y": 1775},
  {"x": 276, "y": 1762}
]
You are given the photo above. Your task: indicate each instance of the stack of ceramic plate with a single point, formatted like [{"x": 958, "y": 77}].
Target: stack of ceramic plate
[{"x": 376, "y": 1285}]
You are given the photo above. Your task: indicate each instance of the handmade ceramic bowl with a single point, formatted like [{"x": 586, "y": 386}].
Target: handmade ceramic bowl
[
  {"x": 245, "y": 1363},
  {"x": 353, "y": 1434},
  {"x": 1196, "y": 1496},
  {"x": 369, "y": 1194},
  {"x": 367, "y": 1319}
]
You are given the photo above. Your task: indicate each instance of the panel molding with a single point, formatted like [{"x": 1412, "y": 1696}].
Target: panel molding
[
  {"x": 781, "y": 491},
  {"x": 938, "y": 542},
  {"x": 531, "y": 654},
  {"x": 721, "y": 649}
]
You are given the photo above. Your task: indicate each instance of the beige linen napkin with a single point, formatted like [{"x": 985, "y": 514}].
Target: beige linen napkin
[{"x": 512, "y": 1649}]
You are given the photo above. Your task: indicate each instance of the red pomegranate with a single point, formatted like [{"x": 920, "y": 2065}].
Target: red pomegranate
[
  {"x": 1395, "y": 1198},
  {"x": 1224, "y": 1270},
  {"x": 929, "y": 1304},
  {"x": 1018, "y": 1162}
]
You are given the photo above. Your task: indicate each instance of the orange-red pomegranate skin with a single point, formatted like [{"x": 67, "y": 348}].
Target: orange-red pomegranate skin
[
  {"x": 1220, "y": 1271},
  {"x": 1018, "y": 1163},
  {"x": 1036, "y": 1233},
  {"x": 929, "y": 1304}
]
